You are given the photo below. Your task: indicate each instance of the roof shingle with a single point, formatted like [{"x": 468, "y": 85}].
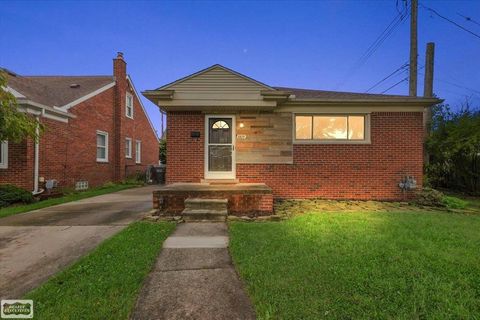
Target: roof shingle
[{"x": 56, "y": 90}]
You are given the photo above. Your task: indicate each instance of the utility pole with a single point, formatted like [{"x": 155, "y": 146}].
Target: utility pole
[
  {"x": 412, "y": 90},
  {"x": 428, "y": 92},
  {"x": 428, "y": 83}
]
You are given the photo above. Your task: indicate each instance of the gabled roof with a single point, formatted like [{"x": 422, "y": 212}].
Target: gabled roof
[
  {"x": 56, "y": 91},
  {"x": 218, "y": 87},
  {"x": 193, "y": 75}
]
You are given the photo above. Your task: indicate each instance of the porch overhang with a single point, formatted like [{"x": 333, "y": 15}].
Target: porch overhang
[{"x": 171, "y": 100}]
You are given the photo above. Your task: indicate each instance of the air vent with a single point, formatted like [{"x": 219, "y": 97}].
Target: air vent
[{"x": 74, "y": 85}]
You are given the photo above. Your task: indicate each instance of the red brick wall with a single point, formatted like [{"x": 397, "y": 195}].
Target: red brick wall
[
  {"x": 139, "y": 129},
  {"x": 20, "y": 165},
  {"x": 185, "y": 156},
  {"x": 330, "y": 171},
  {"x": 239, "y": 203},
  {"x": 68, "y": 151}
]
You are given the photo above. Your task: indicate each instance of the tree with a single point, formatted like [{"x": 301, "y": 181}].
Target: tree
[
  {"x": 15, "y": 125},
  {"x": 454, "y": 148},
  {"x": 163, "y": 150}
]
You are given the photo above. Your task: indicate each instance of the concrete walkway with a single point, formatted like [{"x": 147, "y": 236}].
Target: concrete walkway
[
  {"x": 194, "y": 278},
  {"x": 37, "y": 244}
]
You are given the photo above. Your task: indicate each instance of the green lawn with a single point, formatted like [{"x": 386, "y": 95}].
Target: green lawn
[
  {"x": 11, "y": 210},
  {"x": 105, "y": 283},
  {"x": 410, "y": 265}
]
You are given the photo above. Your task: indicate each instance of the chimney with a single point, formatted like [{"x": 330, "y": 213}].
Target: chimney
[
  {"x": 120, "y": 76},
  {"x": 119, "y": 67}
]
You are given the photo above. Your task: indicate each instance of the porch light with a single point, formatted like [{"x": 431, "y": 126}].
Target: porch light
[{"x": 242, "y": 125}]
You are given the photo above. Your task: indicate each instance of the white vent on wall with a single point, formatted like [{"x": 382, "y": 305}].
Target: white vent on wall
[{"x": 81, "y": 185}]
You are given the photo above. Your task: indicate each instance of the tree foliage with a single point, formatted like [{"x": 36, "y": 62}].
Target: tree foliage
[
  {"x": 14, "y": 125},
  {"x": 454, "y": 149},
  {"x": 163, "y": 150}
]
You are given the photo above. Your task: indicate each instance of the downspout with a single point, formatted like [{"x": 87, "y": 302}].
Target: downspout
[{"x": 37, "y": 162}]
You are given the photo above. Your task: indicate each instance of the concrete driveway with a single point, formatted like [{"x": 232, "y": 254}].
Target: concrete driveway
[{"x": 37, "y": 244}]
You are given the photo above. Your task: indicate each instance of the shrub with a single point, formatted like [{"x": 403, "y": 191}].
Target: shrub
[
  {"x": 429, "y": 197},
  {"x": 10, "y": 194},
  {"x": 454, "y": 202}
]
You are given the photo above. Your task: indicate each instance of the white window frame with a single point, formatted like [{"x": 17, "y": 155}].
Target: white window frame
[
  {"x": 127, "y": 106},
  {"x": 138, "y": 151},
  {"x": 366, "y": 138},
  {"x": 103, "y": 133},
  {"x": 4, "y": 157},
  {"x": 129, "y": 153}
]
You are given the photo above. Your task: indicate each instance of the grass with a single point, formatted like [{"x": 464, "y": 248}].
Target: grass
[
  {"x": 105, "y": 283},
  {"x": 108, "y": 188},
  {"x": 362, "y": 265}
]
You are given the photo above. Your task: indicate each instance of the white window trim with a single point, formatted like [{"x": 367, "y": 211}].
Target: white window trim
[
  {"x": 128, "y": 95},
  {"x": 129, "y": 154},
  {"x": 138, "y": 151},
  {"x": 105, "y": 160},
  {"x": 4, "y": 159},
  {"x": 366, "y": 140}
]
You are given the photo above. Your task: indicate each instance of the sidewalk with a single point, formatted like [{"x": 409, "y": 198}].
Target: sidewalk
[{"x": 194, "y": 278}]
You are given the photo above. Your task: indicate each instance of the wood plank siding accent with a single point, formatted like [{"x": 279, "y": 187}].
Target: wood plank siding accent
[
  {"x": 217, "y": 87},
  {"x": 265, "y": 138}
]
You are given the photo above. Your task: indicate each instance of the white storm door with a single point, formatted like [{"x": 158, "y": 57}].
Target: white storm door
[{"x": 220, "y": 147}]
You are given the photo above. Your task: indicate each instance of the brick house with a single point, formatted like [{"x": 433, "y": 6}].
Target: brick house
[
  {"x": 223, "y": 126},
  {"x": 96, "y": 130}
]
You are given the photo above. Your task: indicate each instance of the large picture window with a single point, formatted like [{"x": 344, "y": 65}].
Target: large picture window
[
  {"x": 102, "y": 146},
  {"x": 331, "y": 128},
  {"x": 4, "y": 155}
]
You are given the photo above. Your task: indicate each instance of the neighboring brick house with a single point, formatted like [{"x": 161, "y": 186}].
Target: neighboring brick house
[
  {"x": 96, "y": 130},
  {"x": 224, "y": 126}
]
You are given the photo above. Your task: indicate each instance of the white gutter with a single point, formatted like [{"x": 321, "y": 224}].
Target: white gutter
[{"x": 37, "y": 162}]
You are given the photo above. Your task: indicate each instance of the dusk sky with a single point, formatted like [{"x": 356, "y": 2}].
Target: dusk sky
[{"x": 297, "y": 44}]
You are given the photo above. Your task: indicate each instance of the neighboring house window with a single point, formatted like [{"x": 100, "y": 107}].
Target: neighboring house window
[
  {"x": 102, "y": 146},
  {"x": 138, "y": 151},
  {"x": 334, "y": 128},
  {"x": 4, "y": 155},
  {"x": 128, "y": 147},
  {"x": 129, "y": 106}
]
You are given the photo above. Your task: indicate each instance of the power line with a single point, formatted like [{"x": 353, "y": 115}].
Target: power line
[
  {"x": 387, "y": 77},
  {"x": 451, "y": 21},
  {"x": 457, "y": 85},
  {"x": 399, "y": 82},
  {"x": 396, "y": 84},
  {"x": 397, "y": 20},
  {"x": 468, "y": 19}
]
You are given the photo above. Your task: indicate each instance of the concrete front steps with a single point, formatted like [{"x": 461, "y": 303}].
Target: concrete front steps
[{"x": 202, "y": 210}]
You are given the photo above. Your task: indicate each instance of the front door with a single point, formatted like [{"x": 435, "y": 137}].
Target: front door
[{"x": 220, "y": 147}]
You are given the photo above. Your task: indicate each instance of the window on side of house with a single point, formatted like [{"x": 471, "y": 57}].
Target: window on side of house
[
  {"x": 129, "y": 106},
  {"x": 138, "y": 151},
  {"x": 102, "y": 146},
  {"x": 128, "y": 148},
  {"x": 4, "y": 155},
  {"x": 319, "y": 128}
]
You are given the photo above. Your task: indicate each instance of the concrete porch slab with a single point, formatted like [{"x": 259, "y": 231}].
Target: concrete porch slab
[{"x": 207, "y": 187}]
